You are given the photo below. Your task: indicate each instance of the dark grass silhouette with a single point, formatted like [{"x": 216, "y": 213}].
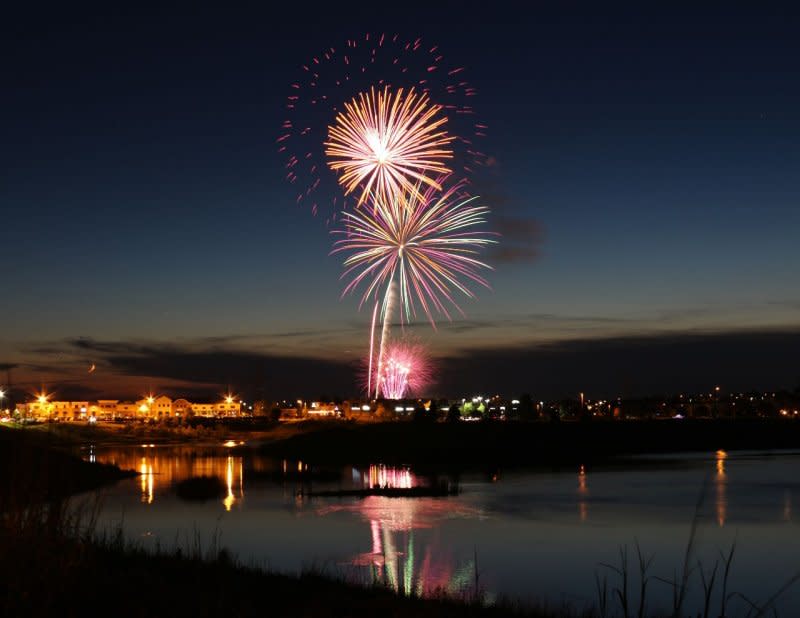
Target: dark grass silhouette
[{"x": 692, "y": 571}]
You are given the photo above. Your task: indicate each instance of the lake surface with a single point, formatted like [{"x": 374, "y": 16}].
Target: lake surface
[{"x": 535, "y": 534}]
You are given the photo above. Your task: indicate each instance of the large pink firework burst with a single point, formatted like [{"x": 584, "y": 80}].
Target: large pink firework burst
[
  {"x": 387, "y": 143},
  {"x": 337, "y": 75},
  {"x": 425, "y": 241},
  {"x": 406, "y": 370}
]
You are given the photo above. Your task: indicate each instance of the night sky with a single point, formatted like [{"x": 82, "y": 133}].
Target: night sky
[{"x": 646, "y": 182}]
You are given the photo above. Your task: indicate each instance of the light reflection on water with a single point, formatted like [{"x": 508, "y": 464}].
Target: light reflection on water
[
  {"x": 583, "y": 493},
  {"x": 719, "y": 484},
  {"x": 396, "y": 558},
  {"x": 533, "y": 533},
  {"x": 381, "y": 476},
  {"x": 160, "y": 468}
]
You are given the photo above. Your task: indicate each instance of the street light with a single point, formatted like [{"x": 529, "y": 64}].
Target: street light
[
  {"x": 2, "y": 396},
  {"x": 42, "y": 398}
]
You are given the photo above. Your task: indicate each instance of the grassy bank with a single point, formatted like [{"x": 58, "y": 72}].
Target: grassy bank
[
  {"x": 466, "y": 445},
  {"x": 54, "y": 575}
]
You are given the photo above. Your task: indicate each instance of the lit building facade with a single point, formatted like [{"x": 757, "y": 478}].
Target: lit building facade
[{"x": 150, "y": 408}]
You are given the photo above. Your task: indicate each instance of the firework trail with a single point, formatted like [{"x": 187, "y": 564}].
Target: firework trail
[
  {"x": 339, "y": 74},
  {"x": 371, "y": 348},
  {"x": 424, "y": 241},
  {"x": 386, "y": 143},
  {"x": 386, "y": 311}
]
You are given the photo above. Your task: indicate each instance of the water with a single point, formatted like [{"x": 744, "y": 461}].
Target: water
[{"x": 535, "y": 534}]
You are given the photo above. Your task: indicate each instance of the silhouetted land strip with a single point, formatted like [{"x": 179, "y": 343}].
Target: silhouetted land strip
[
  {"x": 200, "y": 488},
  {"x": 434, "y": 491},
  {"x": 522, "y": 444},
  {"x": 32, "y": 466}
]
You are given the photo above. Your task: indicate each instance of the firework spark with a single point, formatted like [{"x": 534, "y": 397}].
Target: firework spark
[
  {"x": 388, "y": 143},
  {"x": 394, "y": 381},
  {"x": 425, "y": 241}
]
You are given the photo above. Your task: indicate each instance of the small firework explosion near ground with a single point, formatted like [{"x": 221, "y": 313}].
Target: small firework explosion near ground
[{"x": 404, "y": 371}]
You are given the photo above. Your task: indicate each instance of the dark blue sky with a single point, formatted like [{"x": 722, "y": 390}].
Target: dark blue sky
[{"x": 650, "y": 155}]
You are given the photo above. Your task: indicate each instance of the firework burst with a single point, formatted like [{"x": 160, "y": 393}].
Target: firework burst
[
  {"x": 387, "y": 143},
  {"x": 338, "y": 74},
  {"x": 426, "y": 242}
]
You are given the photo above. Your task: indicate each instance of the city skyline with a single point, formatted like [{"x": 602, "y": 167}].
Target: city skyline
[{"x": 646, "y": 191}]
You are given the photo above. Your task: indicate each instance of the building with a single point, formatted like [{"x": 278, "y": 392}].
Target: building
[
  {"x": 154, "y": 407},
  {"x": 106, "y": 409},
  {"x": 203, "y": 409},
  {"x": 151, "y": 408},
  {"x": 126, "y": 409},
  {"x": 319, "y": 408},
  {"x": 229, "y": 407},
  {"x": 43, "y": 409},
  {"x": 182, "y": 408}
]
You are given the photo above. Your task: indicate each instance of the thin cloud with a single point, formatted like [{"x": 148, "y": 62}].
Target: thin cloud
[
  {"x": 191, "y": 364},
  {"x": 520, "y": 240},
  {"x": 630, "y": 366}
]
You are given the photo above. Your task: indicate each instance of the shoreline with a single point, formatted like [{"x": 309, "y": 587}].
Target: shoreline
[
  {"x": 518, "y": 444},
  {"x": 462, "y": 446}
]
